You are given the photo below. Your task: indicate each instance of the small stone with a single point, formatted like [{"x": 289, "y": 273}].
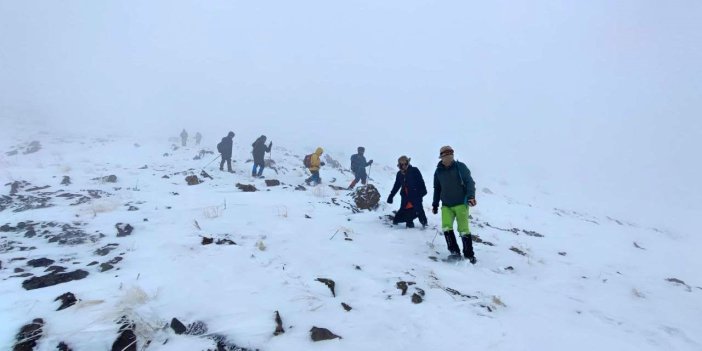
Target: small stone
[
  {"x": 66, "y": 180},
  {"x": 346, "y": 307},
  {"x": 272, "y": 182},
  {"x": 123, "y": 229},
  {"x": 246, "y": 187},
  {"x": 67, "y": 300},
  {"x": 207, "y": 241},
  {"x": 416, "y": 298},
  {"x": 192, "y": 180},
  {"x": 40, "y": 262}
]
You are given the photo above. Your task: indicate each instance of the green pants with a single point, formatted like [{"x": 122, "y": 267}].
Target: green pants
[{"x": 460, "y": 214}]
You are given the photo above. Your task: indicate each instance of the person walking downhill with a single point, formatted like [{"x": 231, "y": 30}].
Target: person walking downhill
[
  {"x": 358, "y": 167},
  {"x": 455, "y": 188},
  {"x": 410, "y": 184},
  {"x": 259, "y": 152},
  {"x": 225, "y": 149},
  {"x": 315, "y": 163}
]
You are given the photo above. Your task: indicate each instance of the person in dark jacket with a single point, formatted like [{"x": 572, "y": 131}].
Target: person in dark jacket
[
  {"x": 455, "y": 188},
  {"x": 225, "y": 148},
  {"x": 358, "y": 167},
  {"x": 410, "y": 184},
  {"x": 198, "y": 138},
  {"x": 183, "y": 137},
  {"x": 259, "y": 152}
]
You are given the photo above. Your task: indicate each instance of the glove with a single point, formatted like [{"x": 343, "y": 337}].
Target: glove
[
  {"x": 472, "y": 202},
  {"x": 435, "y": 210},
  {"x": 389, "y": 199},
  {"x": 370, "y": 162}
]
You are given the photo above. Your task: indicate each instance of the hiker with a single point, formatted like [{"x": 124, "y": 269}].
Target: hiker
[
  {"x": 410, "y": 184},
  {"x": 225, "y": 148},
  {"x": 183, "y": 137},
  {"x": 358, "y": 167},
  {"x": 198, "y": 138},
  {"x": 315, "y": 163},
  {"x": 259, "y": 151},
  {"x": 454, "y": 186}
]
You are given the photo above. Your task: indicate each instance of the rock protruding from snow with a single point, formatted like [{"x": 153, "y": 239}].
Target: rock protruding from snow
[
  {"x": 278, "y": 325},
  {"x": 272, "y": 182},
  {"x": 192, "y": 180},
  {"x": 28, "y": 335},
  {"x": 66, "y": 180},
  {"x": 246, "y": 187},
  {"x": 321, "y": 334},
  {"x": 178, "y": 327},
  {"x": 123, "y": 229},
  {"x": 67, "y": 300},
  {"x": 53, "y": 279},
  {"x": 127, "y": 340},
  {"x": 329, "y": 283},
  {"x": 40, "y": 262},
  {"x": 366, "y": 197}
]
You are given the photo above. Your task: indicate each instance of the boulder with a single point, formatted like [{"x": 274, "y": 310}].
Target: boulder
[
  {"x": 246, "y": 187},
  {"x": 67, "y": 300},
  {"x": 28, "y": 335},
  {"x": 366, "y": 197},
  {"x": 320, "y": 334},
  {"x": 192, "y": 180},
  {"x": 272, "y": 182},
  {"x": 53, "y": 279},
  {"x": 123, "y": 229}
]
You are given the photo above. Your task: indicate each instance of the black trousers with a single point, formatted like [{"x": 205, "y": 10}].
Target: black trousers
[
  {"x": 228, "y": 161},
  {"x": 408, "y": 215}
]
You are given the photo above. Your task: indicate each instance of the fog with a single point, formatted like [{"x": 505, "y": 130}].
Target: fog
[{"x": 596, "y": 101}]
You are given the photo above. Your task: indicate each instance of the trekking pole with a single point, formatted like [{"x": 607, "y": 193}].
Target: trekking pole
[
  {"x": 205, "y": 166},
  {"x": 369, "y": 169}
]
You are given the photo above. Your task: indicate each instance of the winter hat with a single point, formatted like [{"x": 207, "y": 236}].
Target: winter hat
[
  {"x": 403, "y": 159},
  {"x": 445, "y": 151},
  {"x": 231, "y": 134},
  {"x": 361, "y": 149}
]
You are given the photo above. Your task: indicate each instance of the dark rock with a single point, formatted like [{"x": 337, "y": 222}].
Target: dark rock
[
  {"x": 300, "y": 188},
  {"x": 346, "y": 307},
  {"x": 477, "y": 239},
  {"x": 55, "y": 269},
  {"x": 272, "y": 182},
  {"x": 126, "y": 341},
  {"x": 104, "y": 267},
  {"x": 308, "y": 217},
  {"x": 92, "y": 263},
  {"x": 28, "y": 335},
  {"x": 33, "y": 147},
  {"x": 562, "y": 253},
  {"x": 207, "y": 241},
  {"x": 402, "y": 285},
  {"x": 278, "y": 325},
  {"x": 320, "y": 334},
  {"x": 23, "y": 275},
  {"x": 366, "y": 197},
  {"x": 177, "y": 326},
  {"x": 123, "y": 229},
  {"x": 225, "y": 242},
  {"x": 509, "y": 268},
  {"x": 110, "y": 179},
  {"x": 30, "y": 232},
  {"x": 103, "y": 251},
  {"x": 40, "y": 262},
  {"x": 63, "y": 347},
  {"x": 133, "y": 208},
  {"x": 67, "y": 300},
  {"x": 329, "y": 283},
  {"x": 166, "y": 177},
  {"x": 676, "y": 281},
  {"x": 19, "y": 270},
  {"x": 192, "y": 180},
  {"x": 205, "y": 175},
  {"x": 248, "y": 188},
  {"x": 53, "y": 279},
  {"x": 197, "y": 328},
  {"x": 144, "y": 167},
  {"x": 416, "y": 298},
  {"x": 514, "y": 249}
]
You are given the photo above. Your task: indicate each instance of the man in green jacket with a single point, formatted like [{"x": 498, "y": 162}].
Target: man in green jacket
[{"x": 454, "y": 186}]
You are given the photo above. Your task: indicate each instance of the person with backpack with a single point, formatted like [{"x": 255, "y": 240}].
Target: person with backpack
[
  {"x": 358, "y": 167},
  {"x": 410, "y": 184},
  {"x": 313, "y": 162},
  {"x": 455, "y": 188},
  {"x": 225, "y": 149},
  {"x": 259, "y": 152},
  {"x": 183, "y": 137}
]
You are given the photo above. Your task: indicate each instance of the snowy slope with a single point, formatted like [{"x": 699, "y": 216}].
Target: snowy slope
[{"x": 584, "y": 282}]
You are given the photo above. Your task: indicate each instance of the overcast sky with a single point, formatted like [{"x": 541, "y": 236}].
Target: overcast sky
[{"x": 599, "y": 98}]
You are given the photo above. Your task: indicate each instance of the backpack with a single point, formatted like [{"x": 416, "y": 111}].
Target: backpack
[
  {"x": 353, "y": 163},
  {"x": 307, "y": 161},
  {"x": 220, "y": 148}
]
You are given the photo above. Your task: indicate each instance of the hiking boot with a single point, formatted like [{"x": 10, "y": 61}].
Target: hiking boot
[
  {"x": 410, "y": 224},
  {"x": 451, "y": 243},
  {"x": 468, "y": 248}
]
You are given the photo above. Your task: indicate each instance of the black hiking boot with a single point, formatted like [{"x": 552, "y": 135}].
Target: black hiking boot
[
  {"x": 451, "y": 243},
  {"x": 468, "y": 248},
  {"x": 410, "y": 224}
]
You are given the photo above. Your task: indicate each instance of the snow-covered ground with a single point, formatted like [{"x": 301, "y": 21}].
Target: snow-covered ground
[{"x": 583, "y": 281}]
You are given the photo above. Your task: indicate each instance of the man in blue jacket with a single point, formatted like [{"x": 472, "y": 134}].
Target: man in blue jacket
[
  {"x": 454, "y": 186},
  {"x": 410, "y": 184},
  {"x": 259, "y": 151},
  {"x": 358, "y": 167},
  {"x": 225, "y": 148}
]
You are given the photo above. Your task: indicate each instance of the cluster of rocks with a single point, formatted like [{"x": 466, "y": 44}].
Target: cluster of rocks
[
  {"x": 23, "y": 196},
  {"x": 25, "y": 149},
  {"x": 54, "y": 232}
]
